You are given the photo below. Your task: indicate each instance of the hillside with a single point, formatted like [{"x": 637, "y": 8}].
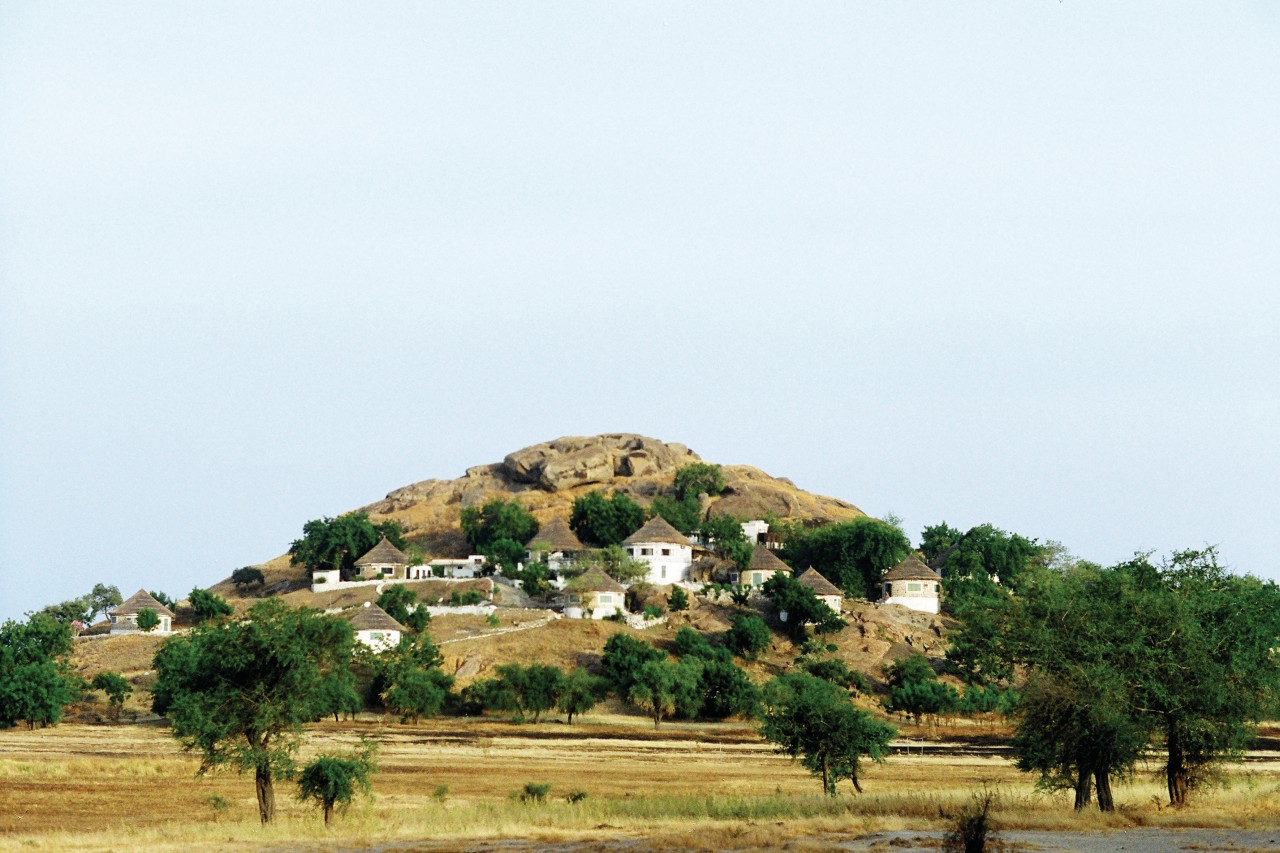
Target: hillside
[{"x": 546, "y": 478}]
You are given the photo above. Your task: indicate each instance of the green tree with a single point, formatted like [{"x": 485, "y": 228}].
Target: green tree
[
  {"x": 416, "y": 693},
  {"x": 937, "y": 540},
  {"x": 580, "y": 693},
  {"x": 336, "y": 543},
  {"x": 660, "y": 688},
  {"x": 331, "y": 781},
  {"x": 684, "y": 515},
  {"x": 599, "y": 521},
  {"x": 497, "y": 520},
  {"x": 616, "y": 563},
  {"x": 116, "y": 689},
  {"x": 854, "y": 555},
  {"x": 801, "y": 606},
  {"x": 984, "y": 557},
  {"x": 147, "y": 620},
  {"x": 837, "y": 672},
  {"x": 699, "y": 478},
  {"x": 396, "y": 600},
  {"x": 623, "y": 657},
  {"x": 163, "y": 599},
  {"x": 66, "y": 612},
  {"x": 337, "y": 695},
  {"x": 418, "y": 620},
  {"x": 814, "y": 721},
  {"x": 528, "y": 690},
  {"x": 689, "y": 643},
  {"x": 248, "y": 576},
  {"x": 36, "y": 681},
  {"x": 238, "y": 691},
  {"x": 747, "y": 636},
  {"x": 678, "y": 600},
  {"x": 726, "y": 690},
  {"x": 102, "y": 598},
  {"x": 207, "y": 606},
  {"x": 728, "y": 540}
]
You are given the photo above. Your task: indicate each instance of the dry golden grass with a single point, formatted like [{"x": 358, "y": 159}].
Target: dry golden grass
[{"x": 686, "y": 786}]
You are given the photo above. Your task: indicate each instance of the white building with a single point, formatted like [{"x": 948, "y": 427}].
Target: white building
[
  {"x": 826, "y": 592},
  {"x": 382, "y": 560},
  {"x": 375, "y": 628},
  {"x": 912, "y": 584},
  {"x": 555, "y": 544},
  {"x": 764, "y": 565},
  {"x": 470, "y": 567},
  {"x": 667, "y": 551},
  {"x": 594, "y": 595},
  {"x": 755, "y": 530}
]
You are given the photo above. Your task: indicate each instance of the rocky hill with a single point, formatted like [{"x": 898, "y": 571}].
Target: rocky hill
[{"x": 548, "y": 477}]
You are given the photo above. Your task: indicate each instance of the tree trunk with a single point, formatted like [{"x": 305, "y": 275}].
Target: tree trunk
[
  {"x": 1102, "y": 779},
  {"x": 1176, "y": 769},
  {"x": 853, "y": 777},
  {"x": 266, "y": 793},
  {"x": 827, "y": 787},
  {"x": 1083, "y": 790},
  {"x": 328, "y": 811}
]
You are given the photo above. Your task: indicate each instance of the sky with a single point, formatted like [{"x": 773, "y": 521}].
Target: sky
[{"x": 1013, "y": 262}]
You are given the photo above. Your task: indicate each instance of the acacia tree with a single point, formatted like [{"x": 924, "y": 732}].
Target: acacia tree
[
  {"x": 238, "y": 691},
  {"x": 336, "y": 543},
  {"x": 814, "y": 720},
  {"x": 116, "y": 689},
  {"x": 662, "y": 688},
  {"x": 331, "y": 781},
  {"x": 36, "y": 681},
  {"x": 854, "y": 554},
  {"x": 602, "y": 521}
]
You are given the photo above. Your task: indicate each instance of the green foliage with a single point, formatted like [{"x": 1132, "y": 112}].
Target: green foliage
[
  {"x": 936, "y": 540},
  {"x": 802, "y": 606},
  {"x": 599, "y": 521},
  {"x": 747, "y": 636},
  {"x": 416, "y": 693},
  {"x": 102, "y": 598},
  {"x": 535, "y": 792},
  {"x": 971, "y": 826},
  {"x": 528, "y": 690},
  {"x": 36, "y": 681},
  {"x": 164, "y": 599},
  {"x": 336, "y": 543},
  {"x": 678, "y": 600},
  {"x": 815, "y": 721},
  {"x": 495, "y": 520},
  {"x": 248, "y": 576},
  {"x": 238, "y": 691},
  {"x": 66, "y": 612},
  {"x": 689, "y": 643},
  {"x": 728, "y": 541},
  {"x": 652, "y": 611},
  {"x": 740, "y": 595},
  {"x": 982, "y": 557},
  {"x": 661, "y": 688},
  {"x": 684, "y": 515},
  {"x": 331, "y": 781},
  {"x": 397, "y": 599},
  {"x": 417, "y": 620},
  {"x": 616, "y": 563},
  {"x": 337, "y": 695},
  {"x": 623, "y": 657},
  {"x": 580, "y": 692},
  {"x": 725, "y": 690},
  {"x": 837, "y": 672},
  {"x": 465, "y": 599},
  {"x": 115, "y": 687},
  {"x": 507, "y": 554},
  {"x": 535, "y": 579},
  {"x": 699, "y": 478},
  {"x": 854, "y": 555},
  {"x": 147, "y": 620},
  {"x": 207, "y": 606}
]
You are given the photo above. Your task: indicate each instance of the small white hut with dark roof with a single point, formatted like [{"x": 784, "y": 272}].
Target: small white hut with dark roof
[
  {"x": 382, "y": 559},
  {"x": 826, "y": 592},
  {"x": 912, "y": 584},
  {"x": 594, "y": 595},
  {"x": 667, "y": 551},
  {"x": 764, "y": 565},
  {"x": 124, "y": 616},
  {"x": 375, "y": 628}
]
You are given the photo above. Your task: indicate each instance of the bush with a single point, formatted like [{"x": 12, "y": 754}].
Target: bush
[
  {"x": 971, "y": 826},
  {"x": 678, "y": 600},
  {"x": 748, "y": 636},
  {"x": 575, "y": 796},
  {"x": 465, "y": 599},
  {"x": 535, "y": 792},
  {"x": 652, "y": 611}
]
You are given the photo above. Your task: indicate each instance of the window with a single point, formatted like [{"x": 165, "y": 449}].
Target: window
[
  {"x": 666, "y": 552},
  {"x": 664, "y": 572},
  {"x": 631, "y": 552},
  {"x": 646, "y": 552},
  {"x": 757, "y": 578},
  {"x": 913, "y": 587},
  {"x": 605, "y": 598}
]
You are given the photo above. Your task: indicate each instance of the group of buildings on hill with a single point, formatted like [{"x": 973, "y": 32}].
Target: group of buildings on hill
[{"x": 671, "y": 558}]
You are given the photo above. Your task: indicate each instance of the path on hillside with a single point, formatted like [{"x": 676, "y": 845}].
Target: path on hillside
[{"x": 497, "y": 632}]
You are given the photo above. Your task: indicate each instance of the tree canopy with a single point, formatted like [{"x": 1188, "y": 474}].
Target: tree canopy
[
  {"x": 599, "y": 521},
  {"x": 238, "y": 691},
  {"x": 36, "y": 681},
  {"x": 336, "y": 543},
  {"x": 854, "y": 555}
]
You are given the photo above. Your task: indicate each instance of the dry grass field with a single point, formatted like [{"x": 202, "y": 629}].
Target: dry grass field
[{"x": 450, "y": 783}]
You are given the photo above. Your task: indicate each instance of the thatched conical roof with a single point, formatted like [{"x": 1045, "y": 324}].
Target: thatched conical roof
[
  {"x": 816, "y": 582},
  {"x": 141, "y": 600},
  {"x": 371, "y": 617},
  {"x": 762, "y": 559},
  {"x": 912, "y": 569},
  {"x": 657, "y": 529},
  {"x": 383, "y": 553},
  {"x": 557, "y": 536},
  {"x": 595, "y": 580}
]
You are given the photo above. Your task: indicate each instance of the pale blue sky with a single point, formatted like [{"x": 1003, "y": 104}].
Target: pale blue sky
[{"x": 259, "y": 263}]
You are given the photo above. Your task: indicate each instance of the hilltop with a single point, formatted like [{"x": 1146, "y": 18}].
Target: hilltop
[{"x": 547, "y": 477}]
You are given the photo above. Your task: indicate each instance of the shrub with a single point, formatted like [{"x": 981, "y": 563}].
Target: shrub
[
  {"x": 678, "y": 600},
  {"x": 535, "y": 792},
  {"x": 652, "y": 611},
  {"x": 147, "y": 619},
  {"x": 971, "y": 826},
  {"x": 748, "y": 636},
  {"x": 575, "y": 796},
  {"x": 492, "y": 620}
]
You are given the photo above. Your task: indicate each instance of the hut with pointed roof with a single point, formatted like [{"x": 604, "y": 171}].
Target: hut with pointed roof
[
  {"x": 912, "y": 584},
  {"x": 555, "y": 544},
  {"x": 594, "y": 595},
  {"x": 764, "y": 565},
  {"x": 382, "y": 560},
  {"x": 375, "y": 628},
  {"x": 826, "y": 592},
  {"x": 668, "y": 552},
  {"x": 124, "y": 616}
]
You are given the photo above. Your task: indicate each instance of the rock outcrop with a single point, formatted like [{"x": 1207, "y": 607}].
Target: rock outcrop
[{"x": 575, "y": 461}]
